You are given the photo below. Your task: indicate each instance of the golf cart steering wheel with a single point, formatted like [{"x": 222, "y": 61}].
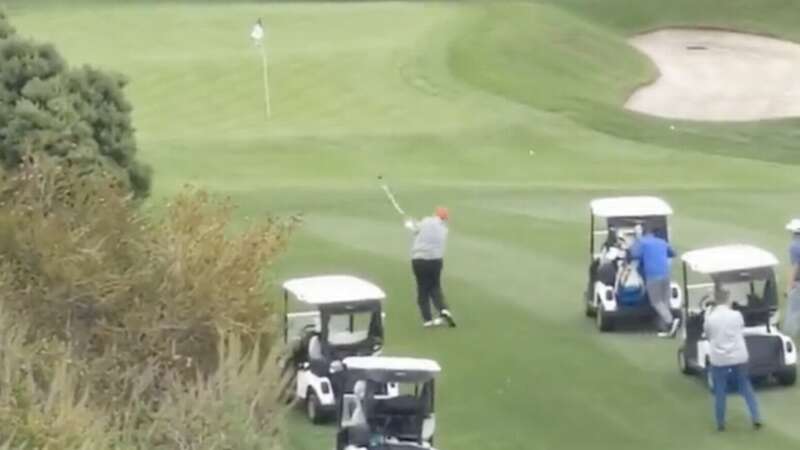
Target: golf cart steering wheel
[{"x": 706, "y": 302}]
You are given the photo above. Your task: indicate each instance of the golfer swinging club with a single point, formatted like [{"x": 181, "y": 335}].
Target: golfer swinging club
[{"x": 427, "y": 253}]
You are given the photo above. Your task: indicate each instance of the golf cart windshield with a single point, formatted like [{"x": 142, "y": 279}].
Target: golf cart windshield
[
  {"x": 620, "y": 231},
  {"x": 405, "y": 418},
  {"x": 750, "y": 291},
  {"x": 349, "y": 329},
  {"x": 339, "y": 296},
  {"x": 414, "y": 399},
  {"x": 656, "y": 223},
  {"x": 398, "y": 417}
]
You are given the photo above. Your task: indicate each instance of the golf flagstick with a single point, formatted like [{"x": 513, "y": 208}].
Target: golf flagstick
[{"x": 258, "y": 37}]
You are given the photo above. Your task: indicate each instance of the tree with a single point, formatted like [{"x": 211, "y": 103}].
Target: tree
[
  {"x": 78, "y": 115},
  {"x": 6, "y": 29}
]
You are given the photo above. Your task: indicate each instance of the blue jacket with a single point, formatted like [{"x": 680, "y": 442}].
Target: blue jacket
[{"x": 654, "y": 256}]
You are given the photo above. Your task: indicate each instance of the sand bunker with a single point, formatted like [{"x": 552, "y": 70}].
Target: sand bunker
[{"x": 719, "y": 76}]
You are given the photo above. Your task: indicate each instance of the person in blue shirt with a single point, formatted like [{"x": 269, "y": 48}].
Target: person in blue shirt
[
  {"x": 653, "y": 254},
  {"x": 791, "y": 323}
]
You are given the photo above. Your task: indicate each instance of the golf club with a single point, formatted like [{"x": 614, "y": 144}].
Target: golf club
[{"x": 389, "y": 194}]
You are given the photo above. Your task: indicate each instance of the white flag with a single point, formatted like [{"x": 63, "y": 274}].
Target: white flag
[{"x": 258, "y": 32}]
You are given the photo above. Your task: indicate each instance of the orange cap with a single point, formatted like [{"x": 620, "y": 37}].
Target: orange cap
[{"x": 442, "y": 213}]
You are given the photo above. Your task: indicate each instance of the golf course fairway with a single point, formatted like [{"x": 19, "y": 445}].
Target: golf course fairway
[{"x": 510, "y": 114}]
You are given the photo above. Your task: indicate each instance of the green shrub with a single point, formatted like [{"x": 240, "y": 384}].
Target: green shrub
[
  {"x": 80, "y": 115},
  {"x": 237, "y": 408},
  {"x": 141, "y": 301},
  {"x": 46, "y": 405},
  {"x": 6, "y": 29}
]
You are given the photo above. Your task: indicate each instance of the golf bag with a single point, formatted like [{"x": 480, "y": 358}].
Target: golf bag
[{"x": 630, "y": 285}]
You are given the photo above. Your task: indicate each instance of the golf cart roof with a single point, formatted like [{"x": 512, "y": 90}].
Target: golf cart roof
[
  {"x": 387, "y": 368},
  {"x": 728, "y": 258},
  {"x": 630, "y": 207},
  {"x": 331, "y": 289}
]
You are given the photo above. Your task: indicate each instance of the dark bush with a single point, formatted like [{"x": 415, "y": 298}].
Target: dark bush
[
  {"x": 80, "y": 115},
  {"x": 6, "y": 29}
]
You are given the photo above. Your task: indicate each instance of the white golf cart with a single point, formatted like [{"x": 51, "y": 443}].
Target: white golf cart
[
  {"x": 747, "y": 273},
  {"x": 405, "y": 422},
  {"x": 609, "y": 296},
  {"x": 330, "y": 318}
]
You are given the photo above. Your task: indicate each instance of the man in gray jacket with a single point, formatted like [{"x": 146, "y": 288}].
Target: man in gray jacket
[
  {"x": 724, "y": 328},
  {"x": 427, "y": 256}
]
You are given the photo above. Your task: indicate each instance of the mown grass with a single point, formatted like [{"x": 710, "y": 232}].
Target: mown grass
[
  {"x": 572, "y": 58},
  {"x": 446, "y": 100}
]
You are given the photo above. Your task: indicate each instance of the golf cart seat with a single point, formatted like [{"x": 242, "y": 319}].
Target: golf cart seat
[
  {"x": 758, "y": 312},
  {"x": 606, "y": 272},
  {"x": 398, "y": 446},
  {"x": 401, "y": 405},
  {"x": 695, "y": 324},
  {"x": 400, "y": 416},
  {"x": 756, "y": 317},
  {"x": 316, "y": 359}
]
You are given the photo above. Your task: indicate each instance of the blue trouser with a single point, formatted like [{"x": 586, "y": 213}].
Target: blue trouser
[{"x": 720, "y": 376}]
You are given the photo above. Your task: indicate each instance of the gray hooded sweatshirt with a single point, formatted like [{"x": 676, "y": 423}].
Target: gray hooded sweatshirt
[
  {"x": 724, "y": 328},
  {"x": 430, "y": 237}
]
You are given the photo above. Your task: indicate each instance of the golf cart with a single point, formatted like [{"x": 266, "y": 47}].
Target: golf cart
[
  {"x": 615, "y": 289},
  {"x": 370, "y": 422},
  {"x": 330, "y": 318},
  {"x": 748, "y": 274}
]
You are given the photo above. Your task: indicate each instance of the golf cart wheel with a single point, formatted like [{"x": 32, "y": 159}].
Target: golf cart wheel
[
  {"x": 683, "y": 363},
  {"x": 589, "y": 310},
  {"x": 603, "y": 320},
  {"x": 314, "y": 408},
  {"x": 787, "y": 376},
  {"x": 759, "y": 381}
]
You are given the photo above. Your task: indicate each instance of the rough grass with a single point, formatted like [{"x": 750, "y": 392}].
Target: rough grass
[{"x": 123, "y": 330}]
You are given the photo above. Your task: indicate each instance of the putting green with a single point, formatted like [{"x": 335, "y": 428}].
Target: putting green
[{"x": 447, "y": 100}]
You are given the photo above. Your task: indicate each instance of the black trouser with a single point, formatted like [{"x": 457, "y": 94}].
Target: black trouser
[{"x": 428, "y": 273}]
